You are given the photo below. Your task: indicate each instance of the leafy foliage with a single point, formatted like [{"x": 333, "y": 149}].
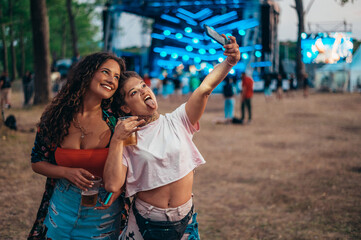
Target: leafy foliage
[{"x": 60, "y": 40}]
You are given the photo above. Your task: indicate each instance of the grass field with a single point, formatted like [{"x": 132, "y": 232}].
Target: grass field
[{"x": 293, "y": 173}]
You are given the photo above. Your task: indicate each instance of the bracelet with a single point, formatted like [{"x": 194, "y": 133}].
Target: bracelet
[{"x": 230, "y": 64}]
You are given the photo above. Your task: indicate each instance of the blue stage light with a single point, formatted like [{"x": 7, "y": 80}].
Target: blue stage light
[
  {"x": 309, "y": 54},
  {"x": 210, "y": 70},
  {"x": 242, "y": 32},
  {"x": 232, "y": 71},
  {"x": 195, "y": 40},
  {"x": 188, "y": 30},
  {"x": 170, "y": 18},
  {"x": 189, "y": 48},
  {"x": 221, "y": 59},
  {"x": 197, "y": 59},
  {"x": 166, "y": 32},
  {"x": 185, "y": 57},
  {"x": 175, "y": 55},
  {"x": 258, "y": 54},
  {"x": 212, "y": 51},
  {"x": 303, "y": 35},
  {"x": 245, "y": 55},
  {"x": 179, "y": 35},
  {"x": 163, "y": 54},
  {"x": 202, "y": 51}
]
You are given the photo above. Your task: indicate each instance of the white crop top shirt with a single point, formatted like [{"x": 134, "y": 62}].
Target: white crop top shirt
[{"x": 164, "y": 153}]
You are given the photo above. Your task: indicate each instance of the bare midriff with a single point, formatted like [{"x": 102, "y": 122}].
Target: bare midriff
[{"x": 171, "y": 195}]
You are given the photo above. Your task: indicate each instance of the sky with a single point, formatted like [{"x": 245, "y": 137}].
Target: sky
[{"x": 321, "y": 11}]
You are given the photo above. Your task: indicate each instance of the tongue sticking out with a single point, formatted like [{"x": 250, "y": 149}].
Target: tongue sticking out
[{"x": 150, "y": 103}]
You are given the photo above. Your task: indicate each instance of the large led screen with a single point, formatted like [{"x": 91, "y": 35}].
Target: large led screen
[{"x": 326, "y": 47}]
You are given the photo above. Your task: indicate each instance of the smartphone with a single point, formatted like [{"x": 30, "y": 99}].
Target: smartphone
[
  {"x": 216, "y": 36},
  {"x": 107, "y": 198}
]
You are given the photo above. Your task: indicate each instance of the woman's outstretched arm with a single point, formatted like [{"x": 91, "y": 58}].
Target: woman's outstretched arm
[{"x": 198, "y": 100}]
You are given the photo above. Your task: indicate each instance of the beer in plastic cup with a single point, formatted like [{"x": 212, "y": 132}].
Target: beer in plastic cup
[
  {"x": 132, "y": 139},
  {"x": 89, "y": 198}
]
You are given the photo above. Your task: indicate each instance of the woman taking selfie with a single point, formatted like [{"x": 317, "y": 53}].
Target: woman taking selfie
[{"x": 159, "y": 169}]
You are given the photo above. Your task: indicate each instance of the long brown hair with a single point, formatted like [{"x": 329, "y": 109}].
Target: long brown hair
[{"x": 55, "y": 121}]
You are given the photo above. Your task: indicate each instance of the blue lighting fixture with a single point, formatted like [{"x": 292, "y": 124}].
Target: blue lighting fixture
[
  {"x": 179, "y": 35},
  {"x": 258, "y": 54},
  {"x": 166, "y": 32},
  {"x": 189, "y": 48},
  {"x": 197, "y": 59},
  {"x": 245, "y": 55},
  {"x": 174, "y": 55},
  {"x": 232, "y": 71},
  {"x": 242, "y": 32},
  {"x": 185, "y": 57},
  {"x": 170, "y": 18},
  {"x": 221, "y": 59},
  {"x": 188, "y": 30},
  {"x": 163, "y": 54},
  {"x": 212, "y": 51},
  {"x": 189, "y": 20},
  {"x": 195, "y": 40},
  {"x": 202, "y": 51},
  {"x": 303, "y": 35}
]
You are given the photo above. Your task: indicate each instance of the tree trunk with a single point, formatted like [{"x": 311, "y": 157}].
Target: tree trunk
[
  {"x": 74, "y": 37},
  {"x": 63, "y": 40},
  {"x": 12, "y": 47},
  {"x": 22, "y": 49},
  {"x": 40, "y": 27},
  {"x": 300, "y": 66},
  {"x": 5, "y": 49}
]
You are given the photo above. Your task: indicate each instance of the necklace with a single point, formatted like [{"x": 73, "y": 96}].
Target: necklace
[
  {"x": 81, "y": 128},
  {"x": 148, "y": 118}
]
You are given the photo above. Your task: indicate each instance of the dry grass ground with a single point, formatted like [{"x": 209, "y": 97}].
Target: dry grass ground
[{"x": 293, "y": 173}]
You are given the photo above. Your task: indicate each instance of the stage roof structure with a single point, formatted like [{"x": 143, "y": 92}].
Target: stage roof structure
[{"x": 155, "y": 8}]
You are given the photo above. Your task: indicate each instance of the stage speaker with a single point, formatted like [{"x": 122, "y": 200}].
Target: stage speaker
[{"x": 266, "y": 27}]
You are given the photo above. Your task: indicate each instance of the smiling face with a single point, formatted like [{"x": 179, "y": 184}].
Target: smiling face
[
  {"x": 139, "y": 98},
  {"x": 105, "y": 80}
]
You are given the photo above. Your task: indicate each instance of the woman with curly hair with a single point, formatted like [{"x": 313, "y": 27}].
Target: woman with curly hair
[{"x": 71, "y": 147}]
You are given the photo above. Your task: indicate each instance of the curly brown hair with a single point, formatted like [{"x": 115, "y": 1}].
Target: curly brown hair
[
  {"x": 119, "y": 96},
  {"x": 55, "y": 120}
]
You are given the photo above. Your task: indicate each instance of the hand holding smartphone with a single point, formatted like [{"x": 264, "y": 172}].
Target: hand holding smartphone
[{"x": 216, "y": 36}]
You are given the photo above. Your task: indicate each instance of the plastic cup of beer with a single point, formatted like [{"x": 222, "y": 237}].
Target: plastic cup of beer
[
  {"x": 89, "y": 198},
  {"x": 132, "y": 139}
]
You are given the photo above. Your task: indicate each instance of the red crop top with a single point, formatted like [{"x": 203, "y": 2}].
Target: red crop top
[{"x": 92, "y": 160}]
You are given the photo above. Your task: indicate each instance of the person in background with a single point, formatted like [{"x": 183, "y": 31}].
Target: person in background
[
  {"x": 292, "y": 85},
  {"x": 246, "y": 96},
  {"x": 267, "y": 87},
  {"x": 28, "y": 87},
  {"x": 279, "y": 87},
  {"x": 146, "y": 79},
  {"x": 306, "y": 85},
  {"x": 159, "y": 170},
  {"x": 5, "y": 91},
  {"x": 71, "y": 147},
  {"x": 229, "y": 93}
]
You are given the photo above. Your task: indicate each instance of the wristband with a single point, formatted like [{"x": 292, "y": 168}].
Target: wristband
[{"x": 230, "y": 64}]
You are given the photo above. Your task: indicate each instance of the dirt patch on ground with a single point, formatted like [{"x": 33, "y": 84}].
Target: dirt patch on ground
[{"x": 293, "y": 173}]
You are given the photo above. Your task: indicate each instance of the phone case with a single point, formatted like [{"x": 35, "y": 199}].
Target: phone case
[{"x": 216, "y": 36}]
